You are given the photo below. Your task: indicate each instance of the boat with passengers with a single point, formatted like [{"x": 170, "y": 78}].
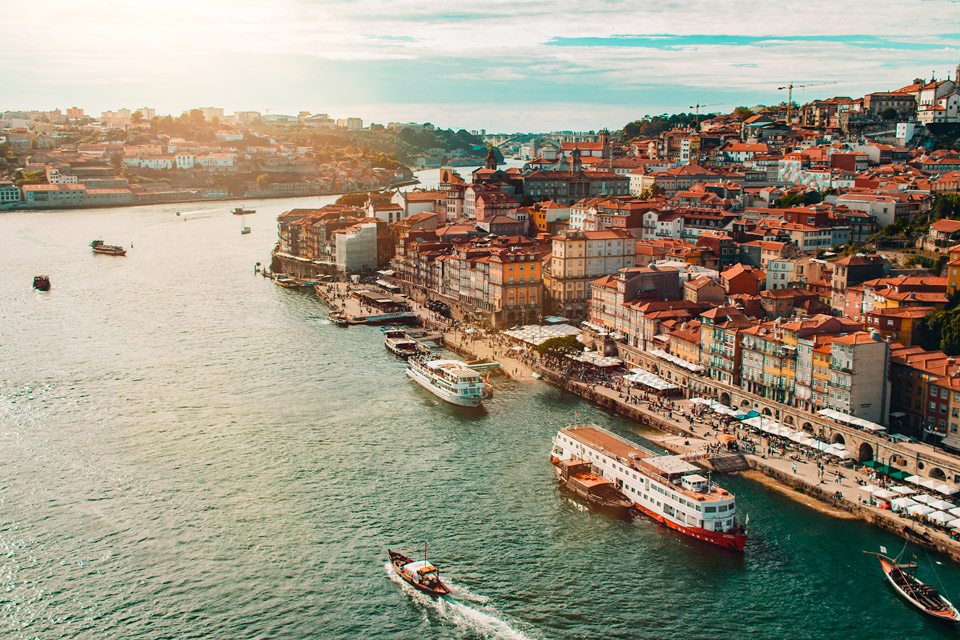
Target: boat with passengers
[{"x": 449, "y": 380}]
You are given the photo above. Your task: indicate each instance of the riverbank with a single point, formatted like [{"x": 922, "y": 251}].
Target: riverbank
[
  {"x": 244, "y": 198},
  {"x": 816, "y": 483}
]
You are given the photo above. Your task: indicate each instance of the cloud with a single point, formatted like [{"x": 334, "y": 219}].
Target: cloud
[{"x": 339, "y": 52}]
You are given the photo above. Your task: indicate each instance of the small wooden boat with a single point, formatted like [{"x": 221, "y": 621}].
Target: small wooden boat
[
  {"x": 600, "y": 493},
  {"x": 240, "y": 211},
  {"x": 399, "y": 344},
  {"x": 920, "y": 595},
  {"x": 41, "y": 283},
  {"x": 419, "y": 573}
]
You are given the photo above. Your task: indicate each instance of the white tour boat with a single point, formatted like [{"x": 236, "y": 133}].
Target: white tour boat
[
  {"x": 450, "y": 380},
  {"x": 666, "y": 488}
]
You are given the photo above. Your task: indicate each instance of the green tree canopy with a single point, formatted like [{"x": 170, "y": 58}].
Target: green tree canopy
[{"x": 560, "y": 346}]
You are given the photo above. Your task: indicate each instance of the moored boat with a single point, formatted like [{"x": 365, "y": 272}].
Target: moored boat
[
  {"x": 922, "y": 596},
  {"x": 420, "y": 574},
  {"x": 240, "y": 211},
  {"x": 398, "y": 343},
  {"x": 668, "y": 489},
  {"x": 449, "y": 380},
  {"x": 41, "y": 283},
  {"x": 98, "y": 246},
  {"x": 600, "y": 493}
]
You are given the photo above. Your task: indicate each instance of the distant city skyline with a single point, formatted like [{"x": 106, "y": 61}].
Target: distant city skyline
[{"x": 514, "y": 66}]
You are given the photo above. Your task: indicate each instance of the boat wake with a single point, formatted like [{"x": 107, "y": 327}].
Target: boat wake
[{"x": 481, "y": 618}]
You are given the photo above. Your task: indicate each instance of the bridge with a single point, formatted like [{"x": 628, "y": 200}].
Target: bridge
[
  {"x": 529, "y": 137},
  {"x": 915, "y": 458}
]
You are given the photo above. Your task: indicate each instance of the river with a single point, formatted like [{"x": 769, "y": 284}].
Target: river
[{"x": 190, "y": 451}]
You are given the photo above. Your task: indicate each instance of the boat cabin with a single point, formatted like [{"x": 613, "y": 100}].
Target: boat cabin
[
  {"x": 423, "y": 572},
  {"x": 694, "y": 482}
]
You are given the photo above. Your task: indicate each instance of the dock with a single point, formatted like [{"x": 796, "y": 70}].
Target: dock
[{"x": 351, "y": 305}]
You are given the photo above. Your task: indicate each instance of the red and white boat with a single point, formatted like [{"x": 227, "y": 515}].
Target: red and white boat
[
  {"x": 924, "y": 597},
  {"x": 665, "y": 488}
]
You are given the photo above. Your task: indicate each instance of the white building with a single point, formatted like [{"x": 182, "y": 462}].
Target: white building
[
  {"x": 246, "y": 117},
  {"x": 209, "y": 113},
  {"x": 859, "y": 384},
  {"x": 184, "y": 160},
  {"x": 351, "y": 124},
  {"x": 356, "y": 247}
]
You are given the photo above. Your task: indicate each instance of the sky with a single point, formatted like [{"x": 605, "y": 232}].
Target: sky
[{"x": 499, "y": 65}]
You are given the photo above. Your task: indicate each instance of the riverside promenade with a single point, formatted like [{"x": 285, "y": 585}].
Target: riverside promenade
[{"x": 829, "y": 488}]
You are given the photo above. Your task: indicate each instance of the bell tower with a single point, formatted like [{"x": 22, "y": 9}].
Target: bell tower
[{"x": 491, "y": 162}]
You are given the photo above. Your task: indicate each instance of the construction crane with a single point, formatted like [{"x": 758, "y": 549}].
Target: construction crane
[
  {"x": 696, "y": 108},
  {"x": 789, "y": 89}
]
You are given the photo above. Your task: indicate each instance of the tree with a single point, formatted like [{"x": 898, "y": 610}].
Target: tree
[
  {"x": 353, "y": 199},
  {"x": 263, "y": 181},
  {"x": 560, "y": 346},
  {"x": 34, "y": 144},
  {"x": 137, "y": 117},
  {"x": 890, "y": 114},
  {"x": 743, "y": 113},
  {"x": 116, "y": 159}
]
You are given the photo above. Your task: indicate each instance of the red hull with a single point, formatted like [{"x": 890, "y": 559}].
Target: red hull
[{"x": 731, "y": 541}]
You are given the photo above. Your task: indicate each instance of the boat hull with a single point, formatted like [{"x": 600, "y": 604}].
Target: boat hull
[
  {"x": 443, "y": 394},
  {"x": 439, "y": 592},
  {"x": 732, "y": 541},
  {"x": 949, "y": 614}
]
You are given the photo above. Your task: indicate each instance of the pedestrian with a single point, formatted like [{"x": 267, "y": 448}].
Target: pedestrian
[{"x": 794, "y": 468}]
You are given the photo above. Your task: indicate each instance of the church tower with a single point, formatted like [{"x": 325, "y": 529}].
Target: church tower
[
  {"x": 576, "y": 163},
  {"x": 605, "y": 144},
  {"x": 491, "y": 162}
]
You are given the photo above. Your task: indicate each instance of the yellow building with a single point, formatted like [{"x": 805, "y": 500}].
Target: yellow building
[
  {"x": 953, "y": 269},
  {"x": 513, "y": 291}
]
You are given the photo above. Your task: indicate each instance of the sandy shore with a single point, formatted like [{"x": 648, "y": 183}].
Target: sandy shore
[{"x": 800, "y": 497}]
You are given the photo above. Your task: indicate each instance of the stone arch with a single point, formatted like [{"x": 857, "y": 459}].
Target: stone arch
[
  {"x": 937, "y": 474},
  {"x": 788, "y": 419},
  {"x": 806, "y": 426},
  {"x": 744, "y": 404},
  {"x": 725, "y": 398},
  {"x": 865, "y": 452},
  {"x": 767, "y": 412},
  {"x": 838, "y": 439}
]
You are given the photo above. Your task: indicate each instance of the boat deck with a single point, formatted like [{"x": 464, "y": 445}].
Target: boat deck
[{"x": 596, "y": 439}]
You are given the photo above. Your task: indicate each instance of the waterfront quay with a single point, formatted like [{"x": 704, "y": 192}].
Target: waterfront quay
[{"x": 684, "y": 428}]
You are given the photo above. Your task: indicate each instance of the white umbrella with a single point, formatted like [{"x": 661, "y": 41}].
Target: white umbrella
[
  {"x": 883, "y": 494},
  {"x": 835, "y": 450},
  {"x": 928, "y": 484},
  {"x": 955, "y": 511},
  {"x": 954, "y": 524},
  {"x": 924, "y": 498},
  {"x": 939, "y": 517},
  {"x": 920, "y": 510},
  {"x": 869, "y": 488},
  {"x": 798, "y": 436},
  {"x": 941, "y": 504},
  {"x": 902, "y": 490},
  {"x": 946, "y": 489},
  {"x": 914, "y": 479},
  {"x": 904, "y": 503}
]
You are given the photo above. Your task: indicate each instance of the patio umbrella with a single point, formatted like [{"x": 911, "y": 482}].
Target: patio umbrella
[
  {"x": 943, "y": 505},
  {"x": 914, "y": 479},
  {"x": 928, "y": 484},
  {"x": 955, "y": 511},
  {"x": 904, "y": 503},
  {"x": 798, "y": 436},
  {"x": 920, "y": 510},
  {"x": 924, "y": 498},
  {"x": 946, "y": 489},
  {"x": 939, "y": 517},
  {"x": 869, "y": 488},
  {"x": 954, "y": 524},
  {"x": 902, "y": 490},
  {"x": 883, "y": 494}
]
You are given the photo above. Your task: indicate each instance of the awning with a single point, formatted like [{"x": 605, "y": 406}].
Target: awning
[
  {"x": 851, "y": 420},
  {"x": 951, "y": 442},
  {"x": 663, "y": 355},
  {"x": 939, "y": 517},
  {"x": 647, "y": 379},
  {"x": 903, "y": 503}
]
